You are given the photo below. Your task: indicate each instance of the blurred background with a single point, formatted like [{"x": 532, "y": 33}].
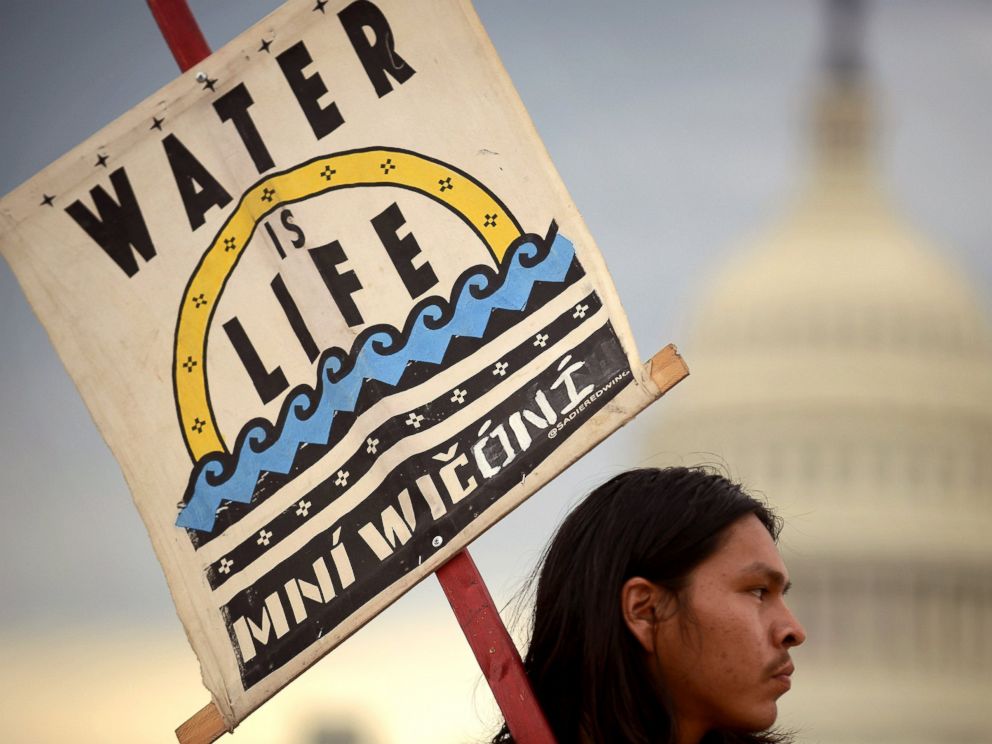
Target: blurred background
[{"x": 794, "y": 191}]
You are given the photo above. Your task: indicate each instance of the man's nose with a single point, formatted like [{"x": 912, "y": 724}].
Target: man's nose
[{"x": 791, "y": 632}]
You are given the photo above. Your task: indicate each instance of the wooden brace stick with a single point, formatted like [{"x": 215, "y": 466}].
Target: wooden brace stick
[
  {"x": 494, "y": 649},
  {"x": 206, "y": 726},
  {"x": 667, "y": 368},
  {"x": 181, "y": 32}
]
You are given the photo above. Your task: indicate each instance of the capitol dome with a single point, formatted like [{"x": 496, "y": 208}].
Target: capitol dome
[{"x": 843, "y": 369}]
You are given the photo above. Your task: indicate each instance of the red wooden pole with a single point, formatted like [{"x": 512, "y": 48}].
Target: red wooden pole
[
  {"x": 460, "y": 579},
  {"x": 494, "y": 649},
  {"x": 181, "y": 31}
]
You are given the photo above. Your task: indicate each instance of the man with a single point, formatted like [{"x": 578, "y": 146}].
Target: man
[{"x": 660, "y": 615}]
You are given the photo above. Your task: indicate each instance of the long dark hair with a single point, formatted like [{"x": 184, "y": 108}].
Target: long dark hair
[{"x": 588, "y": 671}]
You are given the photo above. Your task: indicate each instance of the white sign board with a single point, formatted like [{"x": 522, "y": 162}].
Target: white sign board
[{"x": 334, "y": 313}]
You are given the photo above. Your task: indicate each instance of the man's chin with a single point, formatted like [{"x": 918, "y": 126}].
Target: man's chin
[{"x": 761, "y": 718}]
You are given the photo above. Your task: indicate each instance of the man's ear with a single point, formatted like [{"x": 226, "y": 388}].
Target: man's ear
[{"x": 641, "y": 602}]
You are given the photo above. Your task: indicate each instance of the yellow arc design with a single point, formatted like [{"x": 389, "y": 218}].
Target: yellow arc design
[{"x": 460, "y": 193}]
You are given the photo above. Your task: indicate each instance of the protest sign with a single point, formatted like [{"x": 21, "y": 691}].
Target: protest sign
[{"x": 335, "y": 314}]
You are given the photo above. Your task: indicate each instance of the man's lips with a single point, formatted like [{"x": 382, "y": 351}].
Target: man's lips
[{"x": 783, "y": 674}]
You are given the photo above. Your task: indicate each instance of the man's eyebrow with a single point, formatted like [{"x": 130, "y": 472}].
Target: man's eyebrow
[{"x": 773, "y": 574}]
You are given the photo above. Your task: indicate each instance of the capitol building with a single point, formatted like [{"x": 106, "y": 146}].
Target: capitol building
[{"x": 842, "y": 368}]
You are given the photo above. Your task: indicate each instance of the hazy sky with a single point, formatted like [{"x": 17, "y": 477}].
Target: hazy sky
[{"x": 677, "y": 127}]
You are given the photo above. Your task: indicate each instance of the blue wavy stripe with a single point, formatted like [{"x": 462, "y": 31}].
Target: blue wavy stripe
[{"x": 309, "y": 412}]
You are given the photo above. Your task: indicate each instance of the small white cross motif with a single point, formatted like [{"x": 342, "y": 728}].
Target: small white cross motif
[
  {"x": 458, "y": 396},
  {"x": 500, "y": 369},
  {"x": 342, "y": 479},
  {"x": 225, "y": 566},
  {"x": 541, "y": 339},
  {"x": 304, "y": 508},
  {"x": 372, "y": 445},
  {"x": 414, "y": 420},
  {"x": 580, "y": 311},
  {"x": 263, "y": 537}
]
